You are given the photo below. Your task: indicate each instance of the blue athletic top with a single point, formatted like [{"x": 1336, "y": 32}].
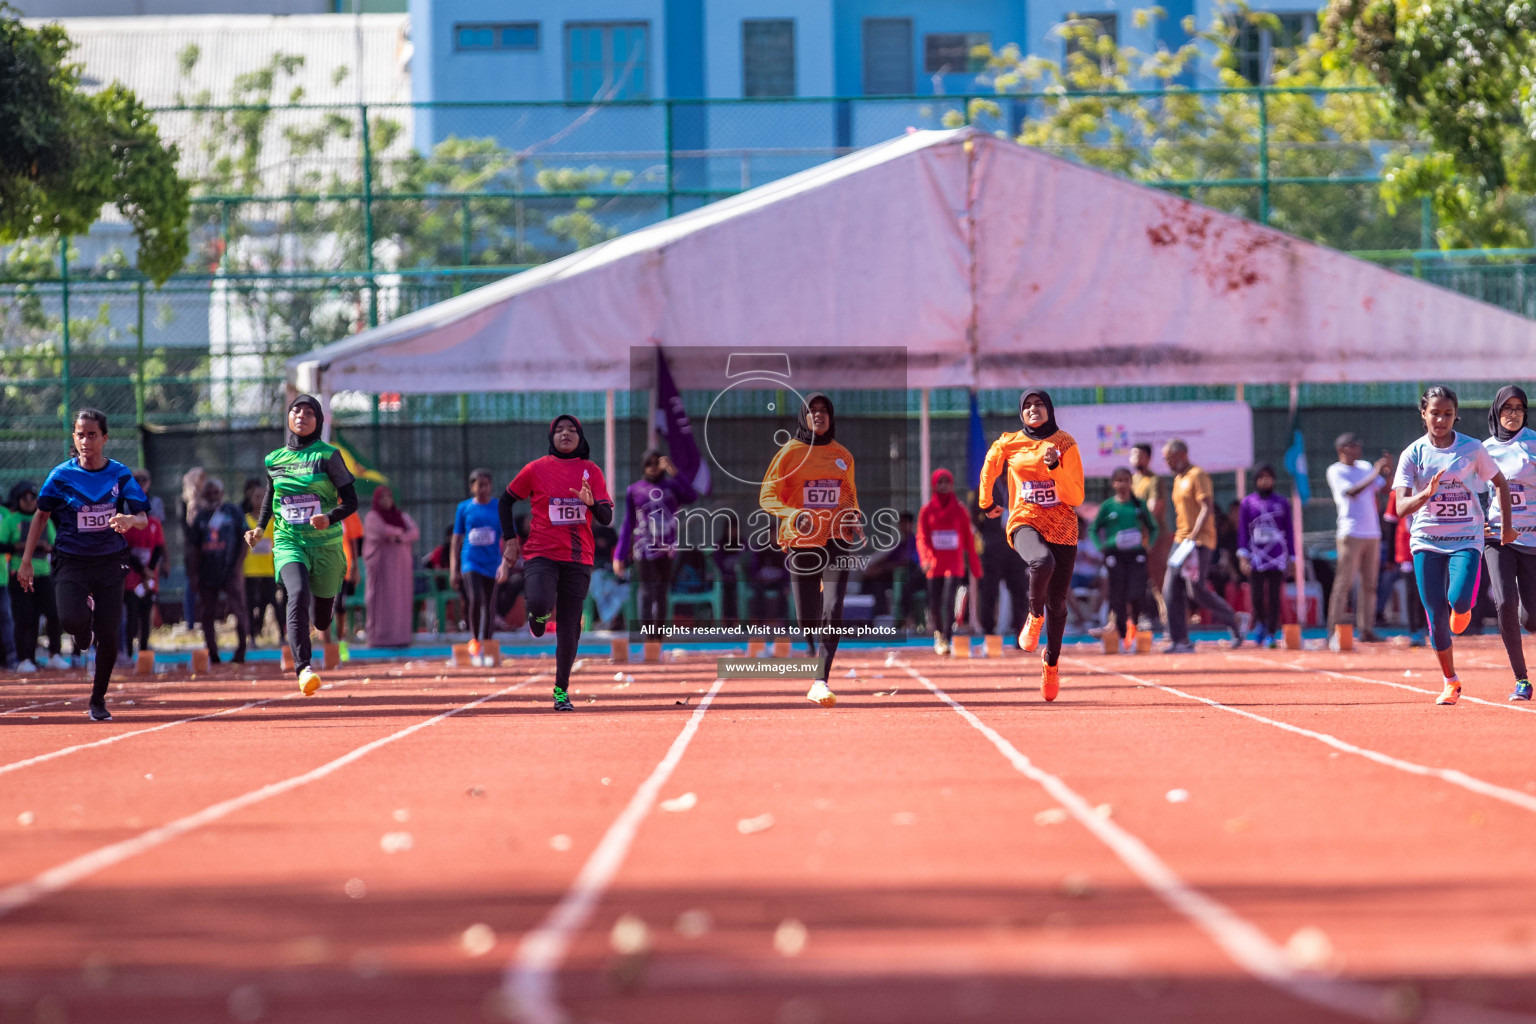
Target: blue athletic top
[
  {"x": 480, "y": 526},
  {"x": 82, "y": 503}
]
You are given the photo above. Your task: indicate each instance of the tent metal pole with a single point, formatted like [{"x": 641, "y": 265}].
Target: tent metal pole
[
  {"x": 1242, "y": 474},
  {"x": 610, "y": 440},
  {"x": 328, "y": 428},
  {"x": 924, "y": 448}
]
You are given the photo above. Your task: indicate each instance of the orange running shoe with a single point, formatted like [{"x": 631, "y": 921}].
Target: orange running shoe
[
  {"x": 474, "y": 648},
  {"x": 1129, "y": 643},
  {"x": 1029, "y": 636},
  {"x": 1460, "y": 621},
  {"x": 1050, "y": 681},
  {"x": 1451, "y": 694}
]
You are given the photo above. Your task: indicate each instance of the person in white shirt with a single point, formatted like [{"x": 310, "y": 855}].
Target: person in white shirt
[
  {"x": 1512, "y": 567},
  {"x": 1355, "y": 484},
  {"x": 1438, "y": 480}
]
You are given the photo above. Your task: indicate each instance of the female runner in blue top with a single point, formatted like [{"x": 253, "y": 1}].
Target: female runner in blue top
[{"x": 93, "y": 501}]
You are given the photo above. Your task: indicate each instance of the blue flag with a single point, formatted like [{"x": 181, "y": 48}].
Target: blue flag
[
  {"x": 1296, "y": 459},
  {"x": 672, "y": 423},
  {"x": 975, "y": 447}
]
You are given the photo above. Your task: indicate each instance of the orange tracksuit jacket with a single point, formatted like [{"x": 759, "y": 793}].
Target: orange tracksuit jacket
[
  {"x": 1045, "y": 499},
  {"x": 817, "y": 478}
]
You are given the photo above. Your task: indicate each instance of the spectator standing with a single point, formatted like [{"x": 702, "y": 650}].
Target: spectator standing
[
  {"x": 186, "y": 511},
  {"x": 1194, "y": 510},
  {"x": 31, "y": 607},
  {"x": 648, "y": 535},
  {"x": 1266, "y": 546},
  {"x": 1149, "y": 489},
  {"x": 146, "y": 562},
  {"x": 945, "y": 548},
  {"x": 389, "y": 591},
  {"x": 1355, "y": 484},
  {"x": 218, "y": 565},
  {"x": 261, "y": 590}
]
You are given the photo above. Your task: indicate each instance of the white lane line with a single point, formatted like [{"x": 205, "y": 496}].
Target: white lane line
[
  {"x": 29, "y": 707},
  {"x": 53, "y": 880},
  {"x": 1456, "y": 777},
  {"x": 1240, "y": 939},
  {"x": 1465, "y": 697},
  {"x": 528, "y": 985}
]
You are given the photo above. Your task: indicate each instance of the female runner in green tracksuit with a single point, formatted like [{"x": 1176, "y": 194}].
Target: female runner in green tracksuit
[{"x": 309, "y": 492}]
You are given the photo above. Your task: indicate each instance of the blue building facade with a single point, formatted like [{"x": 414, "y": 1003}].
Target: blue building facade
[{"x": 755, "y": 53}]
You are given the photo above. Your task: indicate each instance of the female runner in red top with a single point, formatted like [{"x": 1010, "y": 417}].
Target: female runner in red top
[
  {"x": 567, "y": 491},
  {"x": 945, "y": 547}
]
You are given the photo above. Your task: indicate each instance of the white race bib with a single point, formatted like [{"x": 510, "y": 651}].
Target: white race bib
[
  {"x": 822, "y": 494},
  {"x": 1516, "y": 496},
  {"x": 567, "y": 511},
  {"x": 1450, "y": 506},
  {"x": 262, "y": 547},
  {"x": 298, "y": 509},
  {"x": 1040, "y": 492},
  {"x": 91, "y": 518},
  {"x": 1266, "y": 534},
  {"x": 1128, "y": 540},
  {"x": 482, "y": 536},
  {"x": 946, "y": 540}
]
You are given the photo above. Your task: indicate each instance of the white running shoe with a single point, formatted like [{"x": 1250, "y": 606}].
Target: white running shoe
[
  {"x": 26, "y": 668},
  {"x": 820, "y": 694},
  {"x": 58, "y": 661},
  {"x": 940, "y": 645},
  {"x": 309, "y": 681}
]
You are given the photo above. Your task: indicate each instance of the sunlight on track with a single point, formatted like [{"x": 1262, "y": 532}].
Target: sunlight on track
[
  {"x": 528, "y": 987},
  {"x": 1465, "y": 697},
  {"x": 1244, "y": 942},
  {"x": 64, "y": 875}
]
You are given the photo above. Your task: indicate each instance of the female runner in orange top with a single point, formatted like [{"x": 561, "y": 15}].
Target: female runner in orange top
[
  {"x": 809, "y": 489},
  {"x": 1045, "y": 480}
]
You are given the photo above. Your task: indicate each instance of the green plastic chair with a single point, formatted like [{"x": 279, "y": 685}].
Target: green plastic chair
[{"x": 714, "y": 597}]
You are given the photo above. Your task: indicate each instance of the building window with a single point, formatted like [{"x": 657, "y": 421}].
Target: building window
[
  {"x": 607, "y": 60},
  {"x": 887, "y": 56},
  {"x": 1103, "y": 24},
  {"x": 955, "y": 53},
  {"x": 1254, "y": 45},
  {"x": 768, "y": 58},
  {"x": 522, "y": 35}
]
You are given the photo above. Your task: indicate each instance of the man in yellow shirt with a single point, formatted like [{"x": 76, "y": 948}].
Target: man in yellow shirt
[
  {"x": 1194, "y": 511},
  {"x": 261, "y": 590}
]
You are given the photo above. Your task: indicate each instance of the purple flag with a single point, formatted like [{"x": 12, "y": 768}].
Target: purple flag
[{"x": 672, "y": 423}]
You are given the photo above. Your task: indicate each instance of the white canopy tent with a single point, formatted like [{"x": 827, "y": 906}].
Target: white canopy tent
[{"x": 993, "y": 264}]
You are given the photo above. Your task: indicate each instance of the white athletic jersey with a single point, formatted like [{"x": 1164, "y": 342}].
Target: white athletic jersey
[
  {"x": 1452, "y": 518},
  {"x": 1516, "y": 459}
]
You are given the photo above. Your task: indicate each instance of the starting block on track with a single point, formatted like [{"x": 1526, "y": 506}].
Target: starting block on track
[
  {"x": 200, "y": 660},
  {"x": 618, "y": 652},
  {"x": 960, "y": 646},
  {"x": 994, "y": 646},
  {"x": 652, "y": 650},
  {"x": 755, "y": 648},
  {"x": 1292, "y": 631},
  {"x": 144, "y": 664}
]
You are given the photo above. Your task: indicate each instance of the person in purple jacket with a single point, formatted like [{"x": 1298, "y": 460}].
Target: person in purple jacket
[
  {"x": 1265, "y": 547},
  {"x": 648, "y": 536}
]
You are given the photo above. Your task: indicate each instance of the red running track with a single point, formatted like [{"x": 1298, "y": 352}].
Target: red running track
[{"x": 423, "y": 843}]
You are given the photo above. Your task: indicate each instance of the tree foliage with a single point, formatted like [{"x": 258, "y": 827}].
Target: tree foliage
[
  {"x": 1463, "y": 72},
  {"x": 67, "y": 153}
]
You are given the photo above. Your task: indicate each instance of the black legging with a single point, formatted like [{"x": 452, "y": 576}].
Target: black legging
[
  {"x": 77, "y": 583},
  {"x": 941, "y": 592},
  {"x": 1050, "y": 581},
  {"x": 655, "y": 576},
  {"x": 1512, "y": 578},
  {"x": 559, "y": 587},
  {"x": 1265, "y": 585},
  {"x": 26, "y": 608},
  {"x": 479, "y": 595},
  {"x": 1127, "y": 571},
  {"x": 820, "y": 580},
  {"x": 139, "y": 611},
  {"x": 295, "y": 580},
  {"x": 261, "y": 593},
  {"x": 995, "y": 573}
]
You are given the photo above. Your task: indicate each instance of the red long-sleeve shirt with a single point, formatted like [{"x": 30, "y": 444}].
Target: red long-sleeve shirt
[{"x": 944, "y": 541}]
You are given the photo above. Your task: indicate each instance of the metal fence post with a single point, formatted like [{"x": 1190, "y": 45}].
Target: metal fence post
[
  {"x": 1263, "y": 156},
  {"x": 138, "y": 387},
  {"x": 64, "y": 303},
  {"x": 373, "y": 287},
  {"x": 666, "y": 106}
]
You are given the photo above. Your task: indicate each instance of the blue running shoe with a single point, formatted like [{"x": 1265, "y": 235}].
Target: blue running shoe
[{"x": 1522, "y": 690}]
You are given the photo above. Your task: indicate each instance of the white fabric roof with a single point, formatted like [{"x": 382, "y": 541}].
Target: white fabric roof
[{"x": 992, "y": 263}]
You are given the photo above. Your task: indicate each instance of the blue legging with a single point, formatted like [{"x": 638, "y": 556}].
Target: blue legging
[{"x": 1447, "y": 583}]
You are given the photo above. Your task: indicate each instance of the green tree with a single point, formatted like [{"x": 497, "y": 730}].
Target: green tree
[
  {"x": 67, "y": 153},
  {"x": 1083, "y": 113},
  {"x": 1463, "y": 72}
]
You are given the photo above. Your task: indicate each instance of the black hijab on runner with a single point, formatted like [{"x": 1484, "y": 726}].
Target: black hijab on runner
[
  {"x": 294, "y": 441},
  {"x": 582, "y": 449},
  {"x": 1049, "y": 427},
  {"x": 803, "y": 432},
  {"x": 1495, "y": 428}
]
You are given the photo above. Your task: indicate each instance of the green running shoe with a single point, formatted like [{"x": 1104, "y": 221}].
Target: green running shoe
[
  {"x": 562, "y": 702},
  {"x": 1522, "y": 690}
]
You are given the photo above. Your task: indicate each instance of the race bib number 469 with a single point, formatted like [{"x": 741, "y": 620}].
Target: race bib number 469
[
  {"x": 94, "y": 517},
  {"x": 567, "y": 511},
  {"x": 1039, "y": 492}
]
